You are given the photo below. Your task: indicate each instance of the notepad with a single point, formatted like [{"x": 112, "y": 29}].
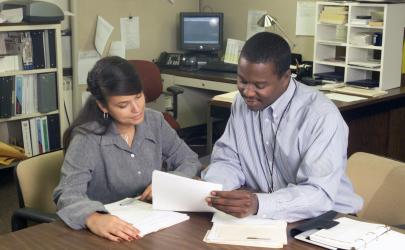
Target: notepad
[
  {"x": 360, "y": 91},
  {"x": 142, "y": 216}
]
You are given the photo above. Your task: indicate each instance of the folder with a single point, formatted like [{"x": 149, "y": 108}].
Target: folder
[{"x": 46, "y": 92}]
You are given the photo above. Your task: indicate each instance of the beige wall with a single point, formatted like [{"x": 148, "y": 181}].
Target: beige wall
[
  {"x": 235, "y": 14},
  {"x": 158, "y": 22}
]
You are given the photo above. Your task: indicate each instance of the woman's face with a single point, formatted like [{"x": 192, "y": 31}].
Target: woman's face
[{"x": 126, "y": 110}]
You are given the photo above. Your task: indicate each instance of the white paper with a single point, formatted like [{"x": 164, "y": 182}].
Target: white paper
[
  {"x": 117, "y": 49},
  {"x": 177, "y": 193},
  {"x": 86, "y": 61},
  {"x": 13, "y": 15},
  {"x": 223, "y": 218},
  {"x": 252, "y": 27},
  {"x": 130, "y": 32},
  {"x": 344, "y": 98},
  {"x": 141, "y": 215},
  {"x": 103, "y": 32},
  {"x": 232, "y": 51},
  {"x": 227, "y": 97},
  {"x": 305, "y": 20}
]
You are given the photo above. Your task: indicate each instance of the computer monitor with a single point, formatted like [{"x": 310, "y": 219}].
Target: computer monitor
[{"x": 200, "y": 31}]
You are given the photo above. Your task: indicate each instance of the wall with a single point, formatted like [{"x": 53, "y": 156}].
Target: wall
[
  {"x": 235, "y": 14},
  {"x": 158, "y": 22}
]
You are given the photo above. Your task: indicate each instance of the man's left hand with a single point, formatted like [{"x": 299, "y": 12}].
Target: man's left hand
[{"x": 239, "y": 203}]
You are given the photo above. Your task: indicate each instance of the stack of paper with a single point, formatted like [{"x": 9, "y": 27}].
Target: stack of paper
[
  {"x": 227, "y": 97},
  {"x": 334, "y": 15},
  {"x": 360, "y": 91},
  {"x": 143, "y": 217},
  {"x": 250, "y": 231}
]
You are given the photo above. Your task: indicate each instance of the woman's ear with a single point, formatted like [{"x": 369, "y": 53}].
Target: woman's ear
[{"x": 101, "y": 107}]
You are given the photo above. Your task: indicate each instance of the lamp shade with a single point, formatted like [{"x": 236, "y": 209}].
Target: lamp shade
[{"x": 268, "y": 21}]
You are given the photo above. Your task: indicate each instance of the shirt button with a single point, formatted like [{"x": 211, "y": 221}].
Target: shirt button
[
  {"x": 132, "y": 155},
  {"x": 139, "y": 172},
  {"x": 267, "y": 120},
  {"x": 267, "y": 142},
  {"x": 264, "y": 216}
]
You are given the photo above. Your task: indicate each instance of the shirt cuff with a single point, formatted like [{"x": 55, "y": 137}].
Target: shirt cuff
[
  {"x": 267, "y": 206},
  {"x": 77, "y": 219}
]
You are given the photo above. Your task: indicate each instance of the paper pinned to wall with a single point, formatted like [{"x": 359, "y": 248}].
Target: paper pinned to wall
[
  {"x": 305, "y": 20},
  {"x": 252, "y": 27},
  {"x": 86, "y": 61},
  {"x": 117, "y": 49},
  {"x": 232, "y": 51},
  {"x": 103, "y": 32},
  {"x": 130, "y": 32}
]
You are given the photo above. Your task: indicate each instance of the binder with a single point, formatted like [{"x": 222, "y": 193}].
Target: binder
[
  {"x": 53, "y": 132},
  {"x": 25, "y": 127},
  {"x": 38, "y": 52},
  {"x": 34, "y": 136},
  {"x": 46, "y": 92},
  {"x": 6, "y": 96},
  {"x": 45, "y": 135},
  {"x": 52, "y": 48}
]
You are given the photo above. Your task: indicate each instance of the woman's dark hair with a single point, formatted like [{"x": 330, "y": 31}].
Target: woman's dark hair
[
  {"x": 111, "y": 76},
  {"x": 266, "y": 47}
]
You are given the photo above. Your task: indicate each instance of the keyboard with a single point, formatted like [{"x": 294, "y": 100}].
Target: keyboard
[{"x": 219, "y": 66}]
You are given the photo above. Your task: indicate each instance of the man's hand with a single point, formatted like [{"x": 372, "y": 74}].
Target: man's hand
[
  {"x": 239, "y": 203},
  {"x": 111, "y": 227},
  {"x": 147, "y": 194}
]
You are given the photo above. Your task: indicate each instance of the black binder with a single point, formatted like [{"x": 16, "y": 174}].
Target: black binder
[
  {"x": 38, "y": 52},
  {"x": 52, "y": 48},
  {"x": 6, "y": 92},
  {"x": 53, "y": 132}
]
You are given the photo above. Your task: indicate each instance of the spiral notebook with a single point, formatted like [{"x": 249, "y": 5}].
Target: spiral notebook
[{"x": 354, "y": 234}]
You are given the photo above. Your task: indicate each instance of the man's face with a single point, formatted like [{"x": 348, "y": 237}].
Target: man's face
[{"x": 259, "y": 84}]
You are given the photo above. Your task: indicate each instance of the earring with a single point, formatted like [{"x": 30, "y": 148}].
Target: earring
[{"x": 105, "y": 116}]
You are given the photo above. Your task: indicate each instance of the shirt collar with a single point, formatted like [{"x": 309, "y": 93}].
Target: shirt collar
[
  {"x": 277, "y": 108},
  {"x": 112, "y": 136}
]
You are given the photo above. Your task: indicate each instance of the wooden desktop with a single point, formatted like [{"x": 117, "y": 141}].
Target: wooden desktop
[{"x": 186, "y": 235}]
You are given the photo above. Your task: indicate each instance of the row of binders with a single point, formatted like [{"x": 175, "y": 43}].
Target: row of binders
[
  {"x": 28, "y": 50},
  {"x": 41, "y": 134},
  {"x": 26, "y": 94}
]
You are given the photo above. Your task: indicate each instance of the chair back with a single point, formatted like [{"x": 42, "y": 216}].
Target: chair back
[
  {"x": 151, "y": 80},
  {"x": 37, "y": 177},
  {"x": 381, "y": 183}
]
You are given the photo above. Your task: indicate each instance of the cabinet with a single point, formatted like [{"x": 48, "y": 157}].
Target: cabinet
[
  {"x": 360, "y": 43},
  {"x": 32, "y": 95}
]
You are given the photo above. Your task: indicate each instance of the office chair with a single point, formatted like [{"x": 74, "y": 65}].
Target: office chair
[
  {"x": 150, "y": 77},
  {"x": 380, "y": 181},
  {"x": 36, "y": 179}
]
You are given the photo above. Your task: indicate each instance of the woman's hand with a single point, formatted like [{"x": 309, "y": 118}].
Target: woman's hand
[
  {"x": 147, "y": 194},
  {"x": 111, "y": 227}
]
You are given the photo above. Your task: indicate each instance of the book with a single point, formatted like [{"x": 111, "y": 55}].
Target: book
[
  {"x": 38, "y": 51},
  {"x": 34, "y": 136},
  {"x": 25, "y": 127},
  {"x": 45, "y": 135},
  {"x": 143, "y": 217},
  {"x": 53, "y": 132},
  {"x": 6, "y": 96},
  {"x": 46, "y": 92}
]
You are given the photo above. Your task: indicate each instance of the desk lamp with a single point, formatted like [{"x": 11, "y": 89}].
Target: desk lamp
[{"x": 268, "y": 21}]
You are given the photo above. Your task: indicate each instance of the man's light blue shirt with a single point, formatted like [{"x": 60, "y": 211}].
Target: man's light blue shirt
[{"x": 309, "y": 159}]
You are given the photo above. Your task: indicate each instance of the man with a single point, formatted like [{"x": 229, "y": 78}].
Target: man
[{"x": 284, "y": 150}]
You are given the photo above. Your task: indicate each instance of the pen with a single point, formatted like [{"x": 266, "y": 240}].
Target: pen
[
  {"x": 257, "y": 238},
  {"x": 129, "y": 201}
]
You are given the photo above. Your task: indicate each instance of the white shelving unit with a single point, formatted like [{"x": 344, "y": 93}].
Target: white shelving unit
[
  {"x": 10, "y": 128},
  {"x": 345, "y": 56}
]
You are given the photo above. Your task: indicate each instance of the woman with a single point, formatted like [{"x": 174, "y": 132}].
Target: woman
[{"x": 111, "y": 150}]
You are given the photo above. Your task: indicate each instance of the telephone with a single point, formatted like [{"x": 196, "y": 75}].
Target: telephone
[{"x": 170, "y": 60}]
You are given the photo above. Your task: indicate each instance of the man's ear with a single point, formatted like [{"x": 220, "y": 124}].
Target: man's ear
[{"x": 101, "y": 107}]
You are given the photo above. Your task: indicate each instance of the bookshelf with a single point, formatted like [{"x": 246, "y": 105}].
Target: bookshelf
[
  {"x": 38, "y": 100},
  {"x": 360, "y": 42}
]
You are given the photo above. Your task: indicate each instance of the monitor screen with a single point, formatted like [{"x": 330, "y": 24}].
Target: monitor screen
[{"x": 201, "y": 31}]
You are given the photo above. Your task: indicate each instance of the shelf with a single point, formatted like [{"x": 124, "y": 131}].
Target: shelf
[
  {"x": 27, "y": 116},
  {"x": 371, "y": 47},
  {"x": 336, "y": 64},
  {"x": 366, "y": 26},
  {"x": 27, "y": 72},
  {"x": 332, "y": 43},
  {"x": 364, "y": 68}
]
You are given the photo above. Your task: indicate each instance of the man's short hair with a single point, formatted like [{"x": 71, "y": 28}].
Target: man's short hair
[{"x": 266, "y": 47}]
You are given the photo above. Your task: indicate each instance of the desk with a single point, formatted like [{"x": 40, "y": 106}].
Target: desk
[
  {"x": 186, "y": 235},
  {"x": 376, "y": 125}
]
